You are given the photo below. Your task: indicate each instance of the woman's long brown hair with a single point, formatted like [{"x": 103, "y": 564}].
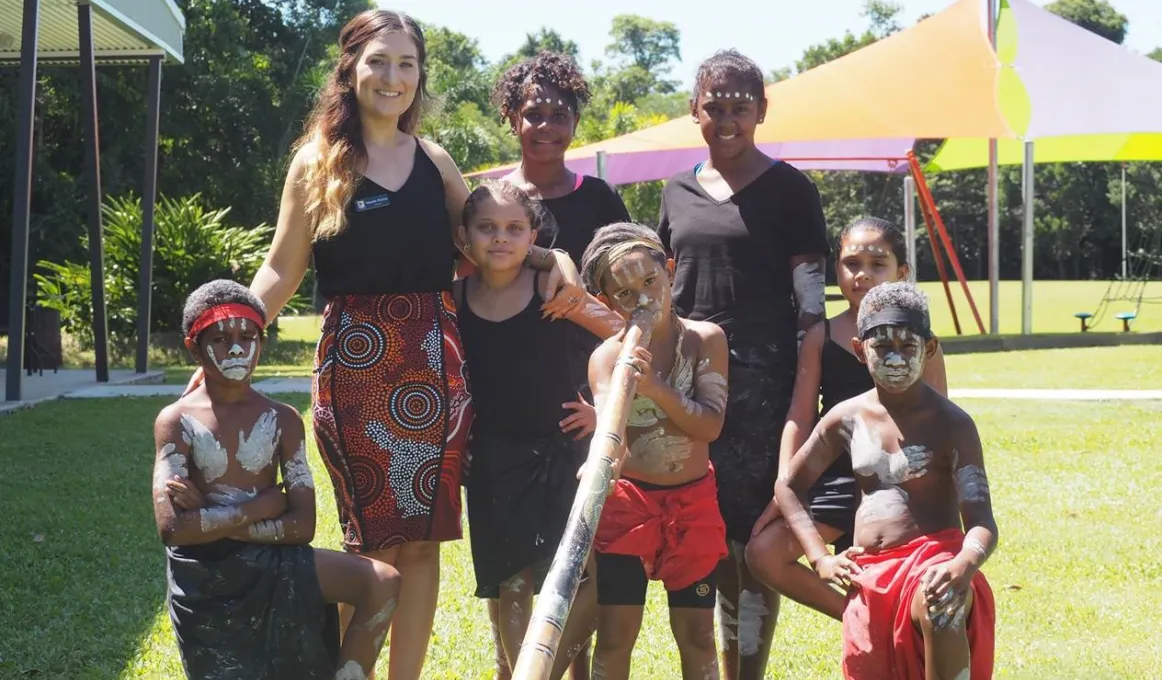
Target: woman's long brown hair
[{"x": 334, "y": 128}]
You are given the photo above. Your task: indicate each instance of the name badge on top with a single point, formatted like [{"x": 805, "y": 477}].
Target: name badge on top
[{"x": 372, "y": 202}]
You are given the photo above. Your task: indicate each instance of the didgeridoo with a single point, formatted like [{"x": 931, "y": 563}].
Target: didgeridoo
[{"x": 539, "y": 648}]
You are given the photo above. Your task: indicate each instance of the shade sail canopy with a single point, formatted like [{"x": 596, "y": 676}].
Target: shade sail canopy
[
  {"x": 641, "y": 158},
  {"x": 963, "y": 154},
  {"x": 939, "y": 79},
  {"x": 123, "y": 30}
]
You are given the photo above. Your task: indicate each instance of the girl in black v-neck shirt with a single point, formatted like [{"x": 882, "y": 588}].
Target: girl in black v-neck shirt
[{"x": 748, "y": 235}]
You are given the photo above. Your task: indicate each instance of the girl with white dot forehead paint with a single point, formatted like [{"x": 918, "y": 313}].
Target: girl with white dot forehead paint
[
  {"x": 750, "y": 241},
  {"x": 917, "y": 605},
  {"x": 869, "y": 252},
  {"x": 246, "y": 590},
  {"x": 531, "y": 428},
  {"x": 667, "y": 487}
]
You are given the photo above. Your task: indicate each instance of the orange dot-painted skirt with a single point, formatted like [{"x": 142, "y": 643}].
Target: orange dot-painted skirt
[{"x": 391, "y": 414}]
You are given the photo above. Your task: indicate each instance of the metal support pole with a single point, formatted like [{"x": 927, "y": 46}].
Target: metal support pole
[
  {"x": 148, "y": 205},
  {"x": 1125, "y": 243},
  {"x": 93, "y": 179},
  {"x": 994, "y": 209},
  {"x": 1027, "y": 244},
  {"x": 910, "y": 224},
  {"x": 601, "y": 165},
  {"x": 21, "y": 199}
]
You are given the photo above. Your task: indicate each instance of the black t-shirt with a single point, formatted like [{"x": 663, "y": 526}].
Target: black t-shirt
[
  {"x": 569, "y": 221},
  {"x": 733, "y": 256}
]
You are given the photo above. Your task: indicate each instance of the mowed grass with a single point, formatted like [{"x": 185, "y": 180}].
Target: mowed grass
[
  {"x": 1054, "y": 304},
  {"x": 1078, "y": 576}
]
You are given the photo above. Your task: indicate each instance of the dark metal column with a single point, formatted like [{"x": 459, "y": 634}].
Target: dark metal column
[
  {"x": 148, "y": 204},
  {"x": 93, "y": 179},
  {"x": 21, "y": 199}
]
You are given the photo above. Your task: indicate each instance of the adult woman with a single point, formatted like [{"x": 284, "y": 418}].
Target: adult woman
[
  {"x": 376, "y": 207},
  {"x": 749, "y": 239}
]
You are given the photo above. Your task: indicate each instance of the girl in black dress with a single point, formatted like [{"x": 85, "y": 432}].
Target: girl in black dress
[
  {"x": 529, "y": 419},
  {"x": 871, "y": 251},
  {"x": 750, "y": 242},
  {"x": 541, "y": 99}
]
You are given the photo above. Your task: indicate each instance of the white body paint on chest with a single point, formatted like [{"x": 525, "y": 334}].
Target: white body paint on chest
[
  {"x": 883, "y": 504},
  {"x": 256, "y": 451},
  {"x": 208, "y": 454},
  {"x": 644, "y": 412},
  {"x": 869, "y": 459},
  {"x": 351, "y": 671}
]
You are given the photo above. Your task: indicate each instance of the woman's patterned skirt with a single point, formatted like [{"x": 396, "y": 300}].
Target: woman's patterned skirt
[{"x": 392, "y": 412}]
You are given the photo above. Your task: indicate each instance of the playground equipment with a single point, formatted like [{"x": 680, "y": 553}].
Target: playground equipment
[{"x": 1140, "y": 266}]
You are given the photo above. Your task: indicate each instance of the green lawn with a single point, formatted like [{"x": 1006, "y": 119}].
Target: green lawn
[
  {"x": 1132, "y": 367},
  {"x": 1078, "y": 576}
]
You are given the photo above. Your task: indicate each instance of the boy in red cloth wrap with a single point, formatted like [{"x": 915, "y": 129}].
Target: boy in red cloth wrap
[
  {"x": 917, "y": 606},
  {"x": 661, "y": 520}
]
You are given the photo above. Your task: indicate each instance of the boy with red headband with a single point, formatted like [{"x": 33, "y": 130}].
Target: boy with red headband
[
  {"x": 917, "y": 606},
  {"x": 248, "y": 596}
]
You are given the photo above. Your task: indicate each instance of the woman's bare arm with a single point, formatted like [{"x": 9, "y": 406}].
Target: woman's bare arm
[{"x": 290, "y": 252}]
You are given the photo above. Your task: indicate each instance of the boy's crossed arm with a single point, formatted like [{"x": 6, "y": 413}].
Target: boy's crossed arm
[{"x": 205, "y": 524}]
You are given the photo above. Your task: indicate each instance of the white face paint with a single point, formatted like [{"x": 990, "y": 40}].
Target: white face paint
[
  {"x": 208, "y": 454},
  {"x": 351, "y": 671},
  {"x": 895, "y": 356},
  {"x": 267, "y": 530},
  {"x": 869, "y": 459},
  {"x": 808, "y": 283},
  {"x": 256, "y": 451},
  {"x": 239, "y": 361},
  {"x": 296, "y": 472},
  {"x": 972, "y": 484},
  {"x": 657, "y": 451},
  {"x": 751, "y": 613},
  {"x": 219, "y": 517}
]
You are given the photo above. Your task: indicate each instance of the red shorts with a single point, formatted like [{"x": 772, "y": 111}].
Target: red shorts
[
  {"x": 879, "y": 638},
  {"x": 676, "y": 531}
]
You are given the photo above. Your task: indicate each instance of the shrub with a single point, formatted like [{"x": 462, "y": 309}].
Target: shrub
[{"x": 192, "y": 244}]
